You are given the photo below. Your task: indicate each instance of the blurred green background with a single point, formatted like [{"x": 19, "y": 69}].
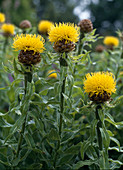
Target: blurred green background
[{"x": 106, "y": 15}]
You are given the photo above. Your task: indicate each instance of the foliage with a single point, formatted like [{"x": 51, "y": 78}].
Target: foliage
[{"x": 40, "y": 130}]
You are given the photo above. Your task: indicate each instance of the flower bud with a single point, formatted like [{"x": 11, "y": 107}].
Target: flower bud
[
  {"x": 25, "y": 24},
  {"x": 85, "y": 25}
]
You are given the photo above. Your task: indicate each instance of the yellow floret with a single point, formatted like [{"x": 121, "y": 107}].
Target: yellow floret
[
  {"x": 64, "y": 31},
  {"x": 111, "y": 41},
  {"x": 8, "y": 28},
  {"x": 44, "y": 26},
  {"x": 29, "y": 42},
  {"x": 100, "y": 82},
  {"x": 2, "y": 17},
  {"x": 52, "y": 75}
]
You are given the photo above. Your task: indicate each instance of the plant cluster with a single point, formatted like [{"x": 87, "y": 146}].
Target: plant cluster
[{"x": 61, "y": 101}]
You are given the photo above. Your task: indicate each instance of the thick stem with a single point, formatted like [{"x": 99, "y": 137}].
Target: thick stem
[
  {"x": 79, "y": 48},
  {"x": 62, "y": 64},
  {"x": 24, "y": 123},
  {"x": 62, "y": 105},
  {"x": 99, "y": 125},
  {"x": 80, "y": 43}
]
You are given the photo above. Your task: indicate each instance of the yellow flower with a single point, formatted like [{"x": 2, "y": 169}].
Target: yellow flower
[
  {"x": 28, "y": 42},
  {"x": 44, "y": 26},
  {"x": 111, "y": 41},
  {"x": 64, "y": 31},
  {"x": 52, "y": 75},
  {"x": 2, "y": 17},
  {"x": 100, "y": 85},
  {"x": 8, "y": 28}
]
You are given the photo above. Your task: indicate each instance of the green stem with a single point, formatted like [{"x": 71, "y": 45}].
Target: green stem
[
  {"x": 24, "y": 124},
  {"x": 21, "y": 137},
  {"x": 122, "y": 49},
  {"x": 99, "y": 125},
  {"x": 5, "y": 44},
  {"x": 62, "y": 64},
  {"x": 79, "y": 48},
  {"x": 80, "y": 43}
]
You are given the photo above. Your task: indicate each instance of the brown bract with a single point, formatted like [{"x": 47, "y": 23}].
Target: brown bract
[
  {"x": 29, "y": 57},
  {"x": 63, "y": 46},
  {"x": 100, "y": 98}
]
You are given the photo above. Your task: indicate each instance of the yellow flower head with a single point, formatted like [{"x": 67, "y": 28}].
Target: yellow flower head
[
  {"x": 8, "y": 28},
  {"x": 100, "y": 84},
  {"x": 2, "y": 17},
  {"x": 29, "y": 42},
  {"x": 52, "y": 75},
  {"x": 64, "y": 31},
  {"x": 111, "y": 41},
  {"x": 44, "y": 26}
]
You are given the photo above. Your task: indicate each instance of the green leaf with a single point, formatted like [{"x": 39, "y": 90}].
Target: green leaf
[
  {"x": 53, "y": 135},
  {"x": 91, "y": 153},
  {"x": 44, "y": 92},
  {"x": 73, "y": 149},
  {"x": 80, "y": 164},
  {"x": 110, "y": 133},
  {"x": 66, "y": 158},
  {"x": 84, "y": 147},
  {"x": 15, "y": 68},
  {"x": 4, "y": 123},
  {"x": 29, "y": 140},
  {"x": 116, "y": 141},
  {"x": 7, "y": 69},
  {"x": 93, "y": 130},
  {"x": 105, "y": 137},
  {"x": 35, "y": 166},
  {"x": 4, "y": 163},
  {"x": 79, "y": 91},
  {"x": 15, "y": 127},
  {"x": 103, "y": 161},
  {"x": 116, "y": 161},
  {"x": 3, "y": 114}
]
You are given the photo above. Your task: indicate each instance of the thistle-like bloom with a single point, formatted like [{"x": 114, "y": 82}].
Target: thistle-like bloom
[
  {"x": 44, "y": 26},
  {"x": 64, "y": 35},
  {"x": 2, "y": 17},
  {"x": 111, "y": 41},
  {"x": 51, "y": 74},
  {"x": 29, "y": 42},
  {"x": 8, "y": 29},
  {"x": 31, "y": 46},
  {"x": 100, "y": 86}
]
